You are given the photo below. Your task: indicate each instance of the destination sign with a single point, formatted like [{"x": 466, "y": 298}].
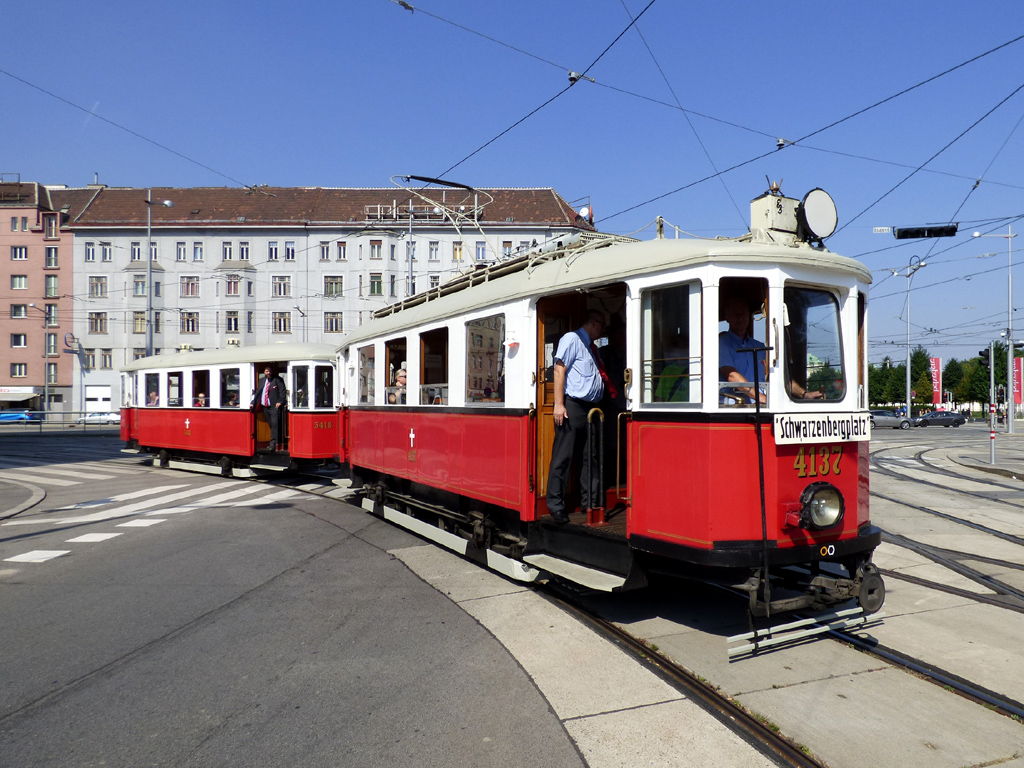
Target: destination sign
[{"x": 809, "y": 428}]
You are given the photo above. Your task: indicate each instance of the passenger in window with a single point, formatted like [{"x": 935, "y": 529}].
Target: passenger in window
[
  {"x": 674, "y": 382},
  {"x": 397, "y": 394},
  {"x": 735, "y": 364},
  {"x": 232, "y": 400},
  {"x": 154, "y": 398},
  {"x": 200, "y": 401}
]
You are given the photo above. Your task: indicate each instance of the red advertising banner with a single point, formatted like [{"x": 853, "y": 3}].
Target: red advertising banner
[
  {"x": 936, "y": 371},
  {"x": 1018, "y": 376}
]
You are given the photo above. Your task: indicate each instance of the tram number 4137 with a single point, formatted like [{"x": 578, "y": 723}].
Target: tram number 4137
[{"x": 818, "y": 460}]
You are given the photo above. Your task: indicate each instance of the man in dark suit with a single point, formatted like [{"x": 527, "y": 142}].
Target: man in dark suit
[{"x": 269, "y": 397}]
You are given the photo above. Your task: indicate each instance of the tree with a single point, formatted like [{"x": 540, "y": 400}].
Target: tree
[
  {"x": 923, "y": 389},
  {"x": 895, "y": 387},
  {"x": 952, "y": 375},
  {"x": 878, "y": 378}
]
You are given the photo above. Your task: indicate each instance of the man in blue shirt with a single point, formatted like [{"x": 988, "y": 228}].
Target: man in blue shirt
[
  {"x": 734, "y": 364},
  {"x": 578, "y": 388}
]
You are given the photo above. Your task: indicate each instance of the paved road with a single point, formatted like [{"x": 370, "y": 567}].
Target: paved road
[{"x": 197, "y": 621}]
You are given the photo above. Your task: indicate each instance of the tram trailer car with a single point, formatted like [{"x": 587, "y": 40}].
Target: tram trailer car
[
  {"x": 459, "y": 449},
  {"x": 196, "y": 407}
]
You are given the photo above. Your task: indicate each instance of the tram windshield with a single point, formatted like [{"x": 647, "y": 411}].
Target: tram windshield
[
  {"x": 814, "y": 348},
  {"x": 671, "y": 344}
]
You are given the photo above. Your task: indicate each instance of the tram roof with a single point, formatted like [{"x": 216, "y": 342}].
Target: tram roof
[
  {"x": 258, "y": 353},
  {"x": 591, "y": 265}
]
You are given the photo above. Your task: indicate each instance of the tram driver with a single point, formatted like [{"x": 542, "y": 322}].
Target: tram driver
[{"x": 734, "y": 363}]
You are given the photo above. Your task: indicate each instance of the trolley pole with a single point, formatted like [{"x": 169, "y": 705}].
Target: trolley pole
[{"x": 992, "y": 403}]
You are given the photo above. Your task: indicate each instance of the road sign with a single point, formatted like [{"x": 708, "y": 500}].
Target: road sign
[{"x": 882, "y": 230}]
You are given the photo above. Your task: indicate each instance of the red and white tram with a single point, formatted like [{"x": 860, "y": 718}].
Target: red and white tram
[{"x": 767, "y": 492}]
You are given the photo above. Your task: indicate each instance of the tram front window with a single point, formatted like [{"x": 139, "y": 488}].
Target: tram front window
[
  {"x": 300, "y": 386},
  {"x": 671, "y": 344},
  {"x": 814, "y": 347}
]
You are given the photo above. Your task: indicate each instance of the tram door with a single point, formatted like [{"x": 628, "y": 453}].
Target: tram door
[{"x": 556, "y": 316}]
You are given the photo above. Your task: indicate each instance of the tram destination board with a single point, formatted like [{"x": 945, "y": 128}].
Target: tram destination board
[{"x": 806, "y": 428}]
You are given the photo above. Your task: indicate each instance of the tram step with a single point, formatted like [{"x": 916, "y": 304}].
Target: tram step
[{"x": 579, "y": 574}]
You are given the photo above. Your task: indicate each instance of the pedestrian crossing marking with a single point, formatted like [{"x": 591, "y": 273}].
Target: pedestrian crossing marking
[
  {"x": 140, "y": 523},
  {"x": 92, "y": 537},
  {"x": 37, "y": 556}
]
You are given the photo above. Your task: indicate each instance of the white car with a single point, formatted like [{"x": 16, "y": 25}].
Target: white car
[{"x": 99, "y": 418}]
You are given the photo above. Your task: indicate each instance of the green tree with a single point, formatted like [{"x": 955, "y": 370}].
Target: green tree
[
  {"x": 952, "y": 375},
  {"x": 878, "y": 378},
  {"x": 895, "y": 387},
  {"x": 923, "y": 389}
]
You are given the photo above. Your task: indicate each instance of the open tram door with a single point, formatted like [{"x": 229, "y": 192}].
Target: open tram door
[{"x": 261, "y": 427}]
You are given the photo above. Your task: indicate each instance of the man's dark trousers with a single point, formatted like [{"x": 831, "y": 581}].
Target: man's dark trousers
[{"x": 572, "y": 439}]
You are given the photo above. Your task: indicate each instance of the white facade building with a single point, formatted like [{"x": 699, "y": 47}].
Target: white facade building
[{"x": 256, "y": 266}]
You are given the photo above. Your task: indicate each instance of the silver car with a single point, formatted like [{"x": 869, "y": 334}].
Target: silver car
[{"x": 889, "y": 419}]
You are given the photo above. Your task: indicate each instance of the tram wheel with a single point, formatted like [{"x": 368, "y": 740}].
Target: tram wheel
[
  {"x": 871, "y": 594},
  {"x": 165, "y": 458},
  {"x": 225, "y": 466}
]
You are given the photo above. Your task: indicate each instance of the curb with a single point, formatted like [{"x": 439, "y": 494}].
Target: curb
[{"x": 37, "y": 495}]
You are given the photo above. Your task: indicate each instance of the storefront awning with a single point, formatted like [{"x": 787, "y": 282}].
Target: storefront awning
[{"x": 15, "y": 397}]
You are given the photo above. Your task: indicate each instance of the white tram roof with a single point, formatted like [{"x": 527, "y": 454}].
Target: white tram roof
[
  {"x": 258, "y": 353},
  {"x": 593, "y": 264}
]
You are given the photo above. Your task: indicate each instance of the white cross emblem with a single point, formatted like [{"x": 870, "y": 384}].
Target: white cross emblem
[
  {"x": 412, "y": 437},
  {"x": 186, "y": 423}
]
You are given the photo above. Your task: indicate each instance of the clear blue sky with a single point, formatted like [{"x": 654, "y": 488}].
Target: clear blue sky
[{"x": 350, "y": 93}]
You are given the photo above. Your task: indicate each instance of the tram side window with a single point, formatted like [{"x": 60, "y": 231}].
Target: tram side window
[
  {"x": 485, "y": 360},
  {"x": 175, "y": 389},
  {"x": 434, "y": 367},
  {"x": 230, "y": 388},
  {"x": 814, "y": 345},
  {"x": 366, "y": 375},
  {"x": 671, "y": 363},
  {"x": 300, "y": 386},
  {"x": 200, "y": 389},
  {"x": 152, "y": 389},
  {"x": 323, "y": 387},
  {"x": 395, "y": 368}
]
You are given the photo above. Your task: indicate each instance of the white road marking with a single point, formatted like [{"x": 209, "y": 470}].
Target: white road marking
[
  {"x": 140, "y": 523},
  {"x": 62, "y": 472},
  {"x": 37, "y": 556},
  {"x": 271, "y": 499},
  {"x": 41, "y": 480},
  {"x": 91, "y": 537},
  {"x": 213, "y": 501},
  {"x": 120, "y": 497}
]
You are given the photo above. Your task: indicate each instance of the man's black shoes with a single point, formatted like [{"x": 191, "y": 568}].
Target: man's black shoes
[{"x": 561, "y": 519}]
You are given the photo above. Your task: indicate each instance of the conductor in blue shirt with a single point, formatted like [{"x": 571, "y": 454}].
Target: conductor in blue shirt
[{"x": 579, "y": 386}]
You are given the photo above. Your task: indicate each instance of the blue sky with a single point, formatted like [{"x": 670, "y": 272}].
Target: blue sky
[{"x": 351, "y": 93}]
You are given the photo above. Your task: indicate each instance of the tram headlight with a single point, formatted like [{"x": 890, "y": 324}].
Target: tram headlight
[{"x": 823, "y": 506}]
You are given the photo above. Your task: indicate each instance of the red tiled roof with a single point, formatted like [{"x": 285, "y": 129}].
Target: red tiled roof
[{"x": 264, "y": 206}]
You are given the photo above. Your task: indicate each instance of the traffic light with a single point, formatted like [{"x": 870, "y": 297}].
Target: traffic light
[
  {"x": 929, "y": 230},
  {"x": 983, "y": 354}
]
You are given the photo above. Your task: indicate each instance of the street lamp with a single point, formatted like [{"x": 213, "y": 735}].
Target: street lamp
[
  {"x": 1011, "y": 406},
  {"x": 915, "y": 264},
  {"x": 149, "y": 265}
]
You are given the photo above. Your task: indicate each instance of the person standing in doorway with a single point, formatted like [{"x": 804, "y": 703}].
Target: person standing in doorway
[
  {"x": 270, "y": 399},
  {"x": 579, "y": 385}
]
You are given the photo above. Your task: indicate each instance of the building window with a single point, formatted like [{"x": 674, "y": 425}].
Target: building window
[
  {"x": 376, "y": 284},
  {"x": 325, "y": 251},
  {"x": 360, "y": 285},
  {"x": 156, "y": 288},
  {"x": 233, "y": 286},
  {"x": 136, "y": 251},
  {"x": 139, "y": 285},
  {"x": 52, "y": 287},
  {"x": 248, "y": 321},
  {"x": 375, "y": 248},
  {"x": 189, "y": 322},
  {"x": 50, "y": 312},
  {"x": 392, "y": 251},
  {"x": 24, "y": 223},
  {"x": 14, "y": 223},
  {"x": 18, "y": 340},
  {"x": 89, "y": 359},
  {"x": 457, "y": 251},
  {"x": 51, "y": 257},
  {"x": 243, "y": 251},
  {"x": 50, "y": 225},
  {"x": 138, "y": 353},
  {"x": 410, "y": 251},
  {"x": 197, "y": 251},
  {"x": 138, "y": 322},
  {"x": 106, "y": 359},
  {"x": 289, "y": 250},
  {"x": 282, "y": 322},
  {"x": 157, "y": 324},
  {"x": 180, "y": 251},
  {"x": 435, "y": 281},
  {"x": 19, "y": 282},
  {"x": 51, "y": 344},
  {"x": 333, "y": 322},
  {"x": 90, "y": 251},
  {"x": 342, "y": 251},
  {"x": 481, "y": 250},
  {"x": 434, "y": 251},
  {"x": 412, "y": 286},
  {"x": 231, "y": 322},
  {"x": 333, "y": 286},
  {"x": 97, "y": 286},
  {"x": 153, "y": 251},
  {"x": 19, "y": 310},
  {"x": 19, "y": 370},
  {"x": 19, "y": 253},
  {"x": 249, "y": 290},
  {"x": 394, "y": 284},
  {"x": 97, "y": 322},
  {"x": 282, "y": 285},
  {"x": 51, "y": 373},
  {"x": 272, "y": 250},
  {"x": 225, "y": 251},
  {"x": 190, "y": 286},
  {"x": 106, "y": 252},
  {"x": 506, "y": 249}
]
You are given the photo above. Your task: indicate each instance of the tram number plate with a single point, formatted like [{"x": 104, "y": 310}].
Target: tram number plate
[
  {"x": 818, "y": 460},
  {"x": 323, "y": 425}
]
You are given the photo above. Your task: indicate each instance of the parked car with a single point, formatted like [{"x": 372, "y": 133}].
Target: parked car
[
  {"x": 99, "y": 418},
  {"x": 942, "y": 419},
  {"x": 16, "y": 414},
  {"x": 889, "y": 419}
]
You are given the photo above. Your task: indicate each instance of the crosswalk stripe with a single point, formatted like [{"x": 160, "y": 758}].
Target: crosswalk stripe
[
  {"x": 37, "y": 556},
  {"x": 270, "y": 499},
  {"x": 213, "y": 501},
  {"x": 55, "y": 470},
  {"x": 43, "y": 480},
  {"x": 89, "y": 538},
  {"x": 140, "y": 523}
]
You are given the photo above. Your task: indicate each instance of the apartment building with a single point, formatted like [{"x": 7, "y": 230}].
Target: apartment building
[{"x": 215, "y": 267}]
